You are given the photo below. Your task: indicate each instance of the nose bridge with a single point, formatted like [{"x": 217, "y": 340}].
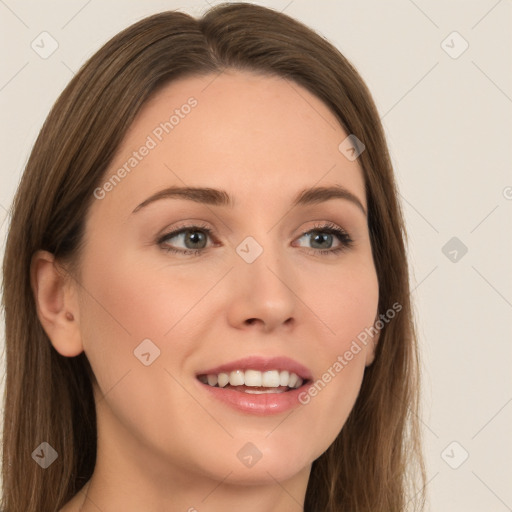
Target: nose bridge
[{"x": 264, "y": 279}]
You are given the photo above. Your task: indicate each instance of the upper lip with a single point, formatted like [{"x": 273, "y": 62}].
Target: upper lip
[{"x": 261, "y": 364}]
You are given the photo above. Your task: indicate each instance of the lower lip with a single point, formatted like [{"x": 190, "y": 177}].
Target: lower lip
[{"x": 261, "y": 404}]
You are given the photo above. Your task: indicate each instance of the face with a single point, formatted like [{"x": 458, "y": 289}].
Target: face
[{"x": 251, "y": 274}]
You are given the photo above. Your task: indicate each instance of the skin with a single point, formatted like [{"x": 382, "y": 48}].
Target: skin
[{"x": 163, "y": 443}]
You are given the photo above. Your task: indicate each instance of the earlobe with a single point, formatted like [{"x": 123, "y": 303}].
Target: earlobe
[{"x": 56, "y": 304}]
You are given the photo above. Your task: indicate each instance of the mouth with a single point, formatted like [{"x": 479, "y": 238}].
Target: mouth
[
  {"x": 255, "y": 382},
  {"x": 257, "y": 385}
]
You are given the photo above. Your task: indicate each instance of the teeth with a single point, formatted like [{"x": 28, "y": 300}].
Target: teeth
[
  {"x": 254, "y": 378},
  {"x": 236, "y": 378},
  {"x": 222, "y": 379},
  {"x": 270, "y": 379},
  {"x": 263, "y": 391}
]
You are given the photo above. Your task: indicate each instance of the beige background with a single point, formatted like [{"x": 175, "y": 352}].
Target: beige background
[{"x": 449, "y": 127}]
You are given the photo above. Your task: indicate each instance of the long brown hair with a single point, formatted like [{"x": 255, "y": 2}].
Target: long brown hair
[{"x": 375, "y": 462}]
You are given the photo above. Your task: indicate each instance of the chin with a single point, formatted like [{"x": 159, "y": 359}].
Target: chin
[
  {"x": 261, "y": 462},
  {"x": 265, "y": 473}
]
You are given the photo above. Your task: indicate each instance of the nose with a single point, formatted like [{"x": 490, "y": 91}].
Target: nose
[{"x": 262, "y": 295}]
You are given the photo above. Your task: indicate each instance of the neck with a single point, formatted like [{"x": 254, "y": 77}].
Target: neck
[{"x": 199, "y": 496}]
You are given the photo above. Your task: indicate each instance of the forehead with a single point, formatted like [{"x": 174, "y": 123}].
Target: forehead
[{"x": 260, "y": 137}]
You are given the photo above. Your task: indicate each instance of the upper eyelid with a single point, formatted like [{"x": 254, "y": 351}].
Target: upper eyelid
[{"x": 318, "y": 226}]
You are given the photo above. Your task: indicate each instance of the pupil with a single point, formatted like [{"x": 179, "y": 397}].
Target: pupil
[
  {"x": 194, "y": 238},
  {"x": 319, "y": 238}
]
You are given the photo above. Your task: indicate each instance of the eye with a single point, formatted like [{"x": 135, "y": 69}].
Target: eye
[
  {"x": 323, "y": 237},
  {"x": 193, "y": 240}
]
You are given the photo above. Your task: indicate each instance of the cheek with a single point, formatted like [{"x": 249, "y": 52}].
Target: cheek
[
  {"x": 349, "y": 308},
  {"x": 120, "y": 307},
  {"x": 131, "y": 299},
  {"x": 347, "y": 304},
  {"x": 127, "y": 299}
]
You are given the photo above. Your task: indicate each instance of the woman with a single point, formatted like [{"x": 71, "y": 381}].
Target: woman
[{"x": 205, "y": 283}]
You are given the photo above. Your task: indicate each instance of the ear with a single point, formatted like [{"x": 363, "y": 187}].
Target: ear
[{"x": 56, "y": 303}]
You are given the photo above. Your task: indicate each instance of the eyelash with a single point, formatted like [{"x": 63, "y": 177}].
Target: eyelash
[{"x": 343, "y": 237}]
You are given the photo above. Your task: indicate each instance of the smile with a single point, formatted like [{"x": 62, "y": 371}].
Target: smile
[{"x": 254, "y": 381}]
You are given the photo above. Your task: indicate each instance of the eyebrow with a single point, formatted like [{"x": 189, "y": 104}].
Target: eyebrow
[{"x": 215, "y": 197}]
